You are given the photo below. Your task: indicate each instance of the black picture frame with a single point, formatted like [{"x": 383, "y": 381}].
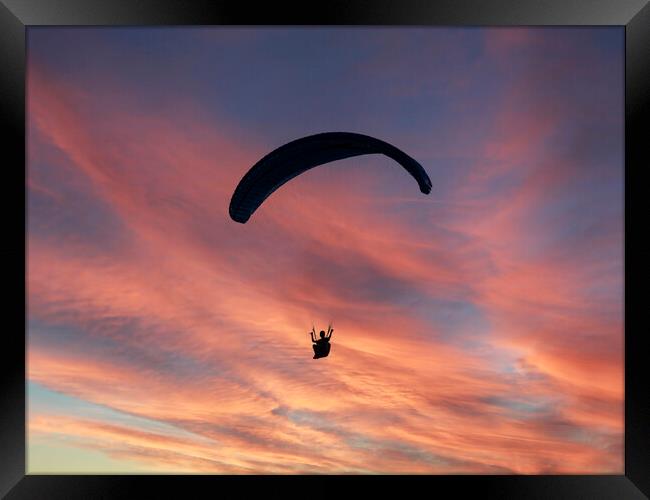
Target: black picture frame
[{"x": 17, "y": 15}]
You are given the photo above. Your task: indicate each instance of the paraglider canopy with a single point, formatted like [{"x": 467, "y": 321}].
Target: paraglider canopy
[{"x": 296, "y": 157}]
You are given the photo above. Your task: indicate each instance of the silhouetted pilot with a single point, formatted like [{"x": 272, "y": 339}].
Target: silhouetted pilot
[{"x": 322, "y": 345}]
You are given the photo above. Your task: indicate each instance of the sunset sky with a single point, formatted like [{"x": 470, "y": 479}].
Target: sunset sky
[{"x": 478, "y": 329}]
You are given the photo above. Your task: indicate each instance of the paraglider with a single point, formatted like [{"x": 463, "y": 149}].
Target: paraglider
[
  {"x": 322, "y": 345},
  {"x": 288, "y": 161}
]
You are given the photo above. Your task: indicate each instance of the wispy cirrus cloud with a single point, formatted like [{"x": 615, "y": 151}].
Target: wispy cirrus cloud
[{"x": 479, "y": 331}]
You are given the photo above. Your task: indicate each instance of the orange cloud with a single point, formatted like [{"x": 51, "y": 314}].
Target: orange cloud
[{"x": 197, "y": 322}]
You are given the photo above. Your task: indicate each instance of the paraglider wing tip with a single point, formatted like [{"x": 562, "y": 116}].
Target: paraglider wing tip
[
  {"x": 239, "y": 218},
  {"x": 237, "y": 214}
]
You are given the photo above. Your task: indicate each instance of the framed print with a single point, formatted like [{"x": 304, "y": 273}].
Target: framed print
[{"x": 339, "y": 246}]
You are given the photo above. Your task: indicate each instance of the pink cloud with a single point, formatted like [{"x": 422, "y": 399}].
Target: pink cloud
[{"x": 232, "y": 304}]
